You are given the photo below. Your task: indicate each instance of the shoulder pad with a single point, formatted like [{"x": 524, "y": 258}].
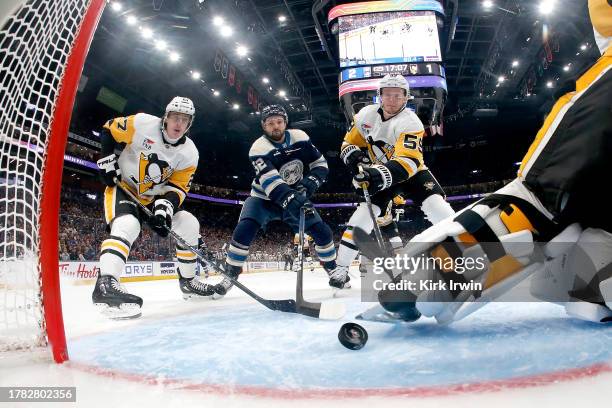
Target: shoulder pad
[
  {"x": 144, "y": 119},
  {"x": 298, "y": 135},
  {"x": 409, "y": 121},
  {"x": 261, "y": 147}
]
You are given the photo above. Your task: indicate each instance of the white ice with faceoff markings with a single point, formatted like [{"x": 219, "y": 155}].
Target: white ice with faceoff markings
[{"x": 236, "y": 352}]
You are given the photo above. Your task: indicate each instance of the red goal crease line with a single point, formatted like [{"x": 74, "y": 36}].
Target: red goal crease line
[{"x": 344, "y": 393}]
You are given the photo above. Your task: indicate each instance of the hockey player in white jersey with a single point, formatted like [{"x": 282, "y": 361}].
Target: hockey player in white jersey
[
  {"x": 385, "y": 142},
  {"x": 157, "y": 163}
]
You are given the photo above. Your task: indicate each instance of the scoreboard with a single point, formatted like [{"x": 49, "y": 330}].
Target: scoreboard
[
  {"x": 376, "y": 38},
  {"x": 382, "y": 70}
]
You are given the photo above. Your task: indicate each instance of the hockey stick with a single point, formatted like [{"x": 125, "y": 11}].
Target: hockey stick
[
  {"x": 286, "y": 305},
  {"x": 320, "y": 310},
  {"x": 383, "y": 249}
]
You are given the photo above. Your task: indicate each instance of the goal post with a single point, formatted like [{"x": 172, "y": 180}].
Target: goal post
[{"x": 43, "y": 45}]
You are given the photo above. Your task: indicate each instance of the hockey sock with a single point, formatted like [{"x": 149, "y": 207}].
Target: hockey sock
[
  {"x": 347, "y": 251},
  {"x": 187, "y": 261}
]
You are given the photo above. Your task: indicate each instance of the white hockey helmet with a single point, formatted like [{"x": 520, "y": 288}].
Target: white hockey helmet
[
  {"x": 180, "y": 104},
  {"x": 393, "y": 81}
]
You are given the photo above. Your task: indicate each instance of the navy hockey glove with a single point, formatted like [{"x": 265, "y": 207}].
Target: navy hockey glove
[
  {"x": 355, "y": 159},
  {"x": 376, "y": 178},
  {"x": 161, "y": 222},
  {"x": 110, "y": 173},
  {"x": 293, "y": 202},
  {"x": 308, "y": 185}
]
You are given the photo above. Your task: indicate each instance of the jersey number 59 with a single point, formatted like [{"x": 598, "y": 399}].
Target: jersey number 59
[{"x": 413, "y": 142}]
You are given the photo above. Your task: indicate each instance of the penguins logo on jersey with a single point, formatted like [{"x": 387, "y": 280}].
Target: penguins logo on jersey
[
  {"x": 292, "y": 171},
  {"x": 152, "y": 171}
]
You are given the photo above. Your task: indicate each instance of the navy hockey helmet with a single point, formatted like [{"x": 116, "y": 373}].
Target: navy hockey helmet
[{"x": 274, "y": 110}]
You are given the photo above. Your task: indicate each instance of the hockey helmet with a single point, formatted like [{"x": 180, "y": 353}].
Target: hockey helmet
[
  {"x": 274, "y": 110},
  {"x": 180, "y": 104},
  {"x": 393, "y": 81}
]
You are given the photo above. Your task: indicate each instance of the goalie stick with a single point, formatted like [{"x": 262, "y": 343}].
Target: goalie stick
[{"x": 330, "y": 311}]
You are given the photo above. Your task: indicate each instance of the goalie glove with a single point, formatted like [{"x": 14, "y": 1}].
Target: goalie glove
[
  {"x": 161, "y": 222},
  {"x": 110, "y": 173}
]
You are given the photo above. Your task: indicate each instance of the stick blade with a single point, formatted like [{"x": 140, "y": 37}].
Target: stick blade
[{"x": 332, "y": 311}]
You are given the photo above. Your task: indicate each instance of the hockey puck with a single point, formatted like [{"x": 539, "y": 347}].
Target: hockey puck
[{"x": 352, "y": 336}]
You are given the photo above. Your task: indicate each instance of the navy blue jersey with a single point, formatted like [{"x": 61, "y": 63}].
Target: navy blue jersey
[{"x": 281, "y": 166}]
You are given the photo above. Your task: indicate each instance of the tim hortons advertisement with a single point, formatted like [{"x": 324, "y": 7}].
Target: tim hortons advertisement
[{"x": 89, "y": 270}]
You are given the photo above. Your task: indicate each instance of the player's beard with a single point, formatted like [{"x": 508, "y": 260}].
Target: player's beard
[{"x": 276, "y": 135}]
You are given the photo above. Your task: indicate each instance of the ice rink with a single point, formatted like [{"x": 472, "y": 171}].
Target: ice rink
[{"x": 236, "y": 352}]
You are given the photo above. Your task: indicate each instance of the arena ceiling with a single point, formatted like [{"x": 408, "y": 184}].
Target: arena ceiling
[{"x": 298, "y": 57}]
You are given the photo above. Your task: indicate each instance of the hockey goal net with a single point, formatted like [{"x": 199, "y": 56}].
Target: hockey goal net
[{"x": 43, "y": 44}]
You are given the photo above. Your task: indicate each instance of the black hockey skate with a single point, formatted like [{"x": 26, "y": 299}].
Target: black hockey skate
[
  {"x": 193, "y": 288},
  {"x": 113, "y": 300},
  {"x": 226, "y": 284},
  {"x": 339, "y": 277}
]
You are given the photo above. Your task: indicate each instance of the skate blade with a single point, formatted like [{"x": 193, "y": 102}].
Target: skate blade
[
  {"x": 336, "y": 292},
  {"x": 194, "y": 298},
  {"x": 217, "y": 296},
  {"x": 123, "y": 312}
]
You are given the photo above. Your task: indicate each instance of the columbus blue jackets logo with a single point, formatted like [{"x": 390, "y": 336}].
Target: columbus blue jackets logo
[{"x": 292, "y": 172}]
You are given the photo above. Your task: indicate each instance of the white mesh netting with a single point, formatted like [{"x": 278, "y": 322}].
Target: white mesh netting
[{"x": 34, "y": 46}]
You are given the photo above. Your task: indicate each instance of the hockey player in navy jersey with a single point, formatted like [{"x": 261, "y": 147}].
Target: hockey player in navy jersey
[{"x": 288, "y": 171}]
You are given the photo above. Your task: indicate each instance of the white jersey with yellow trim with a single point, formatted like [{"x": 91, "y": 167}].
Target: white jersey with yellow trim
[
  {"x": 399, "y": 138},
  {"x": 149, "y": 166}
]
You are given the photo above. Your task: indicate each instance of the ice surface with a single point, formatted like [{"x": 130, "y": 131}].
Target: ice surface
[{"x": 235, "y": 352}]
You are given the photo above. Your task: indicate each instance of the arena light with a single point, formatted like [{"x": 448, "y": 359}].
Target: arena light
[
  {"x": 116, "y": 6},
  {"x": 195, "y": 75},
  {"x": 235, "y": 106},
  {"x": 241, "y": 50},
  {"x": 282, "y": 18},
  {"x": 216, "y": 93},
  {"x": 547, "y": 6},
  {"x": 583, "y": 47},
  {"x": 161, "y": 45},
  {"x": 174, "y": 57},
  {"x": 501, "y": 79},
  {"x": 131, "y": 20},
  {"x": 282, "y": 93},
  {"x": 146, "y": 32},
  {"x": 226, "y": 31},
  {"x": 218, "y": 21},
  {"x": 265, "y": 80},
  {"x": 487, "y": 4},
  {"x": 566, "y": 68},
  {"x": 550, "y": 84},
  {"x": 515, "y": 63}
]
